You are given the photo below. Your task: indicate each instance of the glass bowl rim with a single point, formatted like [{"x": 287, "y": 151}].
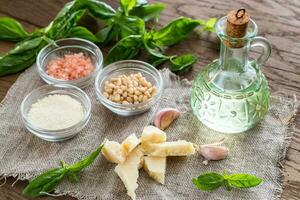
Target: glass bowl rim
[
  {"x": 58, "y": 131},
  {"x": 40, "y": 59},
  {"x": 106, "y": 69}
]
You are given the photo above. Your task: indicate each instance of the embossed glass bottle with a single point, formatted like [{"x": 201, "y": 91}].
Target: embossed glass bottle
[{"x": 231, "y": 94}]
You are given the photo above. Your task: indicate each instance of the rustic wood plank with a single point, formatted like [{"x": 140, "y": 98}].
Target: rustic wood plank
[{"x": 277, "y": 20}]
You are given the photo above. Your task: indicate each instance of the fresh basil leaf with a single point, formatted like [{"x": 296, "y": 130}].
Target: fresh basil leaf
[
  {"x": 127, "y": 5},
  {"x": 126, "y": 48},
  {"x": 175, "y": 31},
  {"x": 148, "y": 11},
  {"x": 243, "y": 180},
  {"x": 27, "y": 45},
  {"x": 156, "y": 61},
  {"x": 72, "y": 177},
  {"x": 44, "y": 183},
  {"x": 77, "y": 167},
  {"x": 61, "y": 26},
  {"x": 11, "y": 30},
  {"x": 129, "y": 25},
  {"x": 98, "y": 9},
  {"x": 182, "y": 63},
  {"x": 209, "y": 25},
  {"x": 208, "y": 181},
  {"x": 104, "y": 36},
  {"x": 84, "y": 33},
  {"x": 21, "y": 57}
]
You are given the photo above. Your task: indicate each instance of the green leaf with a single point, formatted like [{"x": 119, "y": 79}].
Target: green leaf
[
  {"x": 84, "y": 33},
  {"x": 182, "y": 63},
  {"x": 126, "y": 48},
  {"x": 11, "y": 30},
  {"x": 243, "y": 180},
  {"x": 129, "y": 25},
  {"x": 61, "y": 26},
  {"x": 175, "y": 31},
  {"x": 21, "y": 57},
  {"x": 141, "y": 2},
  {"x": 208, "y": 181},
  {"x": 148, "y": 11},
  {"x": 127, "y": 5},
  {"x": 98, "y": 9},
  {"x": 77, "y": 167},
  {"x": 156, "y": 61},
  {"x": 47, "y": 181},
  {"x": 105, "y": 35},
  {"x": 209, "y": 25},
  {"x": 44, "y": 183}
]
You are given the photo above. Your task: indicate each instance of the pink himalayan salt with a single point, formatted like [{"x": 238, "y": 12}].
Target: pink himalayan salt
[{"x": 70, "y": 67}]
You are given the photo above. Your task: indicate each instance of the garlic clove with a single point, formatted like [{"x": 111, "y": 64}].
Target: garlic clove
[
  {"x": 165, "y": 117},
  {"x": 213, "y": 152}
]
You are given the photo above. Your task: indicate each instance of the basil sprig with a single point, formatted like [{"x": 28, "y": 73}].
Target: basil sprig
[
  {"x": 46, "y": 182},
  {"x": 125, "y": 26},
  {"x": 211, "y": 181}
]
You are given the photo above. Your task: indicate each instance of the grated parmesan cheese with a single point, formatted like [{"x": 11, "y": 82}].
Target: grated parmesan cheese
[{"x": 55, "y": 112}]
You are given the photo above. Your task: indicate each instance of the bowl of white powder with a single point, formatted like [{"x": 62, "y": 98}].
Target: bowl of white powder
[{"x": 56, "y": 112}]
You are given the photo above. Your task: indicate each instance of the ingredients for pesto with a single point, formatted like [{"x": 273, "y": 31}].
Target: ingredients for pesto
[
  {"x": 70, "y": 67},
  {"x": 211, "y": 181},
  {"x": 55, "y": 112},
  {"x": 129, "y": 89},
  {"x": 150, "y": 152},
  {"x": 214, "y": 151},
  {"x": 165, "y": 117},
  {"x": 47, "y": 181}
]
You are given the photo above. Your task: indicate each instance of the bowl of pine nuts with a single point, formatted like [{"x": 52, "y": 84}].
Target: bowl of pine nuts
[{"x": 129, "y": 87}]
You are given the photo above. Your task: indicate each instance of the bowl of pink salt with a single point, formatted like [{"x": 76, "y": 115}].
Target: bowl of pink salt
[{"x": 71, "y": 61}]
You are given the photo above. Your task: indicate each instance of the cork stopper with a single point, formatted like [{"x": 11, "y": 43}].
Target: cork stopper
[{"x": 237, "y": 23}]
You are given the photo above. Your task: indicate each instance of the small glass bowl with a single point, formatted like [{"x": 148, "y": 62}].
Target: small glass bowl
[
  {"x": 129, "y": 67},
  {"x": 62, "y": 134},
  {"x": 66, "y": 46}
]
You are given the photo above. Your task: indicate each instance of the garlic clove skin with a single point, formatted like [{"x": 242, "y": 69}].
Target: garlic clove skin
[
  {"x": 213, "y": 152},
  {"x": 165, "y": 117}
]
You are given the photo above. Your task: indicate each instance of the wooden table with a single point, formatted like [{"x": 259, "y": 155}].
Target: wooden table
[{"x": 277, "y": 20}]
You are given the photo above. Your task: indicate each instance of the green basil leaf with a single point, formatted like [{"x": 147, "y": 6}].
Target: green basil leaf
[
  {"x": 148, "y": 11},
  {"x": 105, "y": 35},
  {"x": 243, "y": 180},
  {"x": 98, "y": 9},
  {"x": 84, "y": 33},
  {"x": 175, "y": 31},
  {"x": 129, "y": 25},
  {"x": 182, "y": 63},
  {"x": 209, "y": 25},
  {"x": 126, "y": 48},
  {"x": 72, "y": 177},
  {"x": 21, "y": 57},
  {"x": 27, "y": 45},
  {"x": 141, "y": 2},
  {"x": 11, "y": 30},
  {"x": 77, "y": 167},
  {"x": 208, "y": 181},
  {"x": 156, "y": 61},
  {"x": 44, "y": 183},
  {"x": 127, "y": 5},
  {"x": 61, "y": 26}
]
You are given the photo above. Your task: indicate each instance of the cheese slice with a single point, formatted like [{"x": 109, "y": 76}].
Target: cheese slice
[
  {"x": 152, "y": 134},
  {"x": 156, "y": 167},
  {"x": 113, "y": 152},
  {"x": 130, "y": 143},
  {"x": 129, "y": 171},
  {"x": 176, "y": 148}
]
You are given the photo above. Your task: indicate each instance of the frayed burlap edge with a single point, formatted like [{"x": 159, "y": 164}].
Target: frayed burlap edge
[{"x": 185, "y": 82}]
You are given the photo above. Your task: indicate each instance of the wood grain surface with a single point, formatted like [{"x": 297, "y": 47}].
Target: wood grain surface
[{"x": 278, "y": 21}]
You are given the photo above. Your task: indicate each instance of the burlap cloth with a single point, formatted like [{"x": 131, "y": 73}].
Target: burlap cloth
[{"x": 258, "y": 151}]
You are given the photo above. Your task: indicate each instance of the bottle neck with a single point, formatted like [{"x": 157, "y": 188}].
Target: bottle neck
[{"x": 234, "y": 59}]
